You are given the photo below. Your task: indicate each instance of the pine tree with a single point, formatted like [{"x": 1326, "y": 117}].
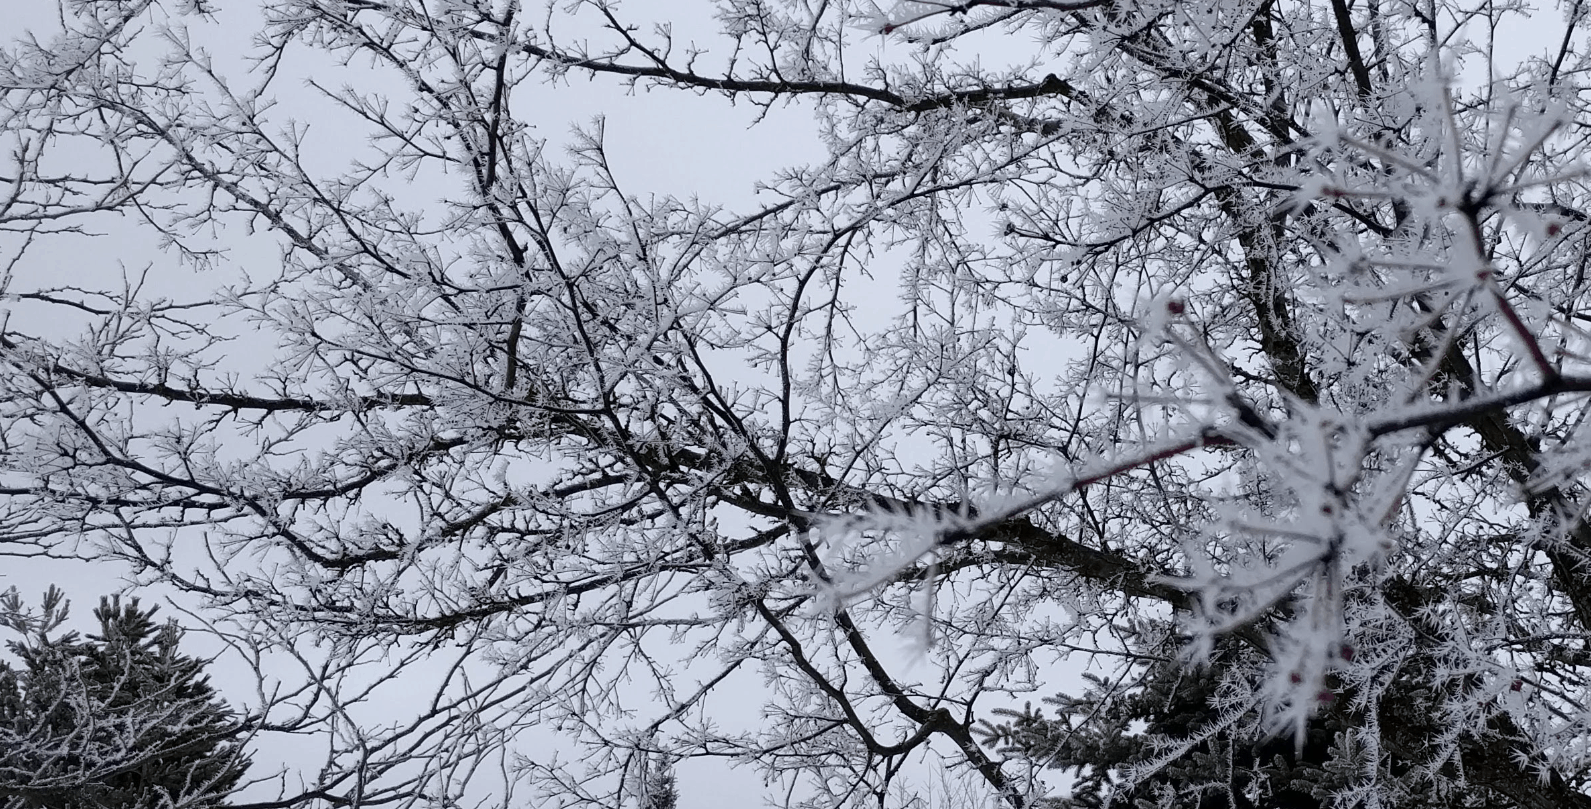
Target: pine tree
[
  {"x": 119, "y": 719},
  {"x": 1186, "y": 738},
  {"x": 661, "y": 792}
]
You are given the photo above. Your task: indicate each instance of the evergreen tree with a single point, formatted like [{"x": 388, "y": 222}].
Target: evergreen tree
[
  {"x": 1187, "y": 738},
  {"x": 119, "y": 719},
  {"x": 660, "y": 792}
]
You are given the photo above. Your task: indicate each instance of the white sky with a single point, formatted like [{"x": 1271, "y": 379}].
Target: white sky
[{"x": 661, "y": 142}]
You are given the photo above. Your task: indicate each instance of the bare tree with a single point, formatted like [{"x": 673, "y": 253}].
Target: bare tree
[{"x": 1241, "y": 341}]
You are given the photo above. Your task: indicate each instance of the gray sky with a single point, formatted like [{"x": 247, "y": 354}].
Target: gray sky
[{"x": 661, "y": 142}]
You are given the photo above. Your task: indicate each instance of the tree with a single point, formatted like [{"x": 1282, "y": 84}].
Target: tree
[
  {"x": 119, "y": 720},
  {"x": 659, "y": 791},
  {"x": 1233, "y": 349}
]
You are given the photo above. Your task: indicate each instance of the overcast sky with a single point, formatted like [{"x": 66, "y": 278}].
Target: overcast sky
[{"x": 660, "y": 142}]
